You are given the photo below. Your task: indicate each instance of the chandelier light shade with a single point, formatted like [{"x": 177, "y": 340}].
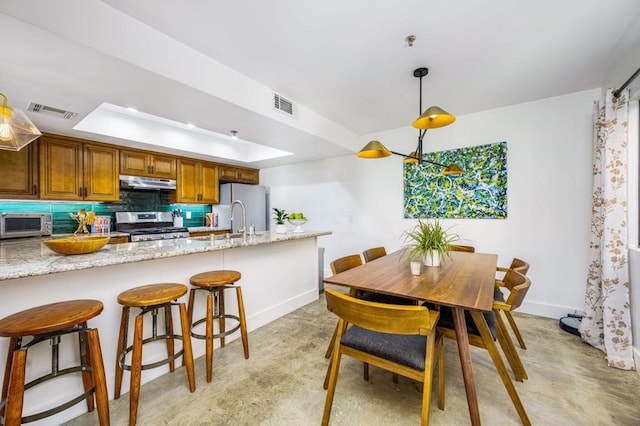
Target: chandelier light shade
[
  {"x": 16, "y": 130},
  {"x": 432, "y": 118},
  {"x": 374, "y": 149}
]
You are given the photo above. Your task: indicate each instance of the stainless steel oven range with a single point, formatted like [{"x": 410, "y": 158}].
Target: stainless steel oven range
[{"x": 149, "y": 226}]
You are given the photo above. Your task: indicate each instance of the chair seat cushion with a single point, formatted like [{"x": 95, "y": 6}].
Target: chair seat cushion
[
  {"x": 446, "y": 321},
  {"x": 371, "y": 296},
  {"x": 403, "y": 349}
]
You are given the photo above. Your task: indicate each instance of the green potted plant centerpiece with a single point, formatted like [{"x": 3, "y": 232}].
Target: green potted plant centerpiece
[
  {"x": 429, "y": 242},
  {"x": 280, "y": 216}
]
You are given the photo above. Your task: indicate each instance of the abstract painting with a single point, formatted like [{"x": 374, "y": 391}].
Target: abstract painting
[{"x": 479, "y": 193}]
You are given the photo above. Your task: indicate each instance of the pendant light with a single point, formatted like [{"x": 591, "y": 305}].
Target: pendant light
[
  {"x": 433, "y": 117},
  {"x": 16, "y": 130}
]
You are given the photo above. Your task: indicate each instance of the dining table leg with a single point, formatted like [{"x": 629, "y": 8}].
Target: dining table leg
[
  {"x": 462, "y": 339},
  {"x": 487, "y": 337}
]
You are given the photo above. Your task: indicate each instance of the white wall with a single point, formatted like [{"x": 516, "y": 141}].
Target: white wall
[{"x": 549, "y": 194}]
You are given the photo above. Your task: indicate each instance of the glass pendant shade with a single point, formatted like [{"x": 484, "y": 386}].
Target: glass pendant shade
[
  {"x": 16, "y": 130},
  {"x": 374, "y": 149},
  {"x": 433, "y": 117}
]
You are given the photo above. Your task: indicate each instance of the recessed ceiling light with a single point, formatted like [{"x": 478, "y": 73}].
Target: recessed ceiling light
[
  {"x": 191, "y": 125},
  {"x": 132, "y": 109},
  {"x": 234, "y": 135}
]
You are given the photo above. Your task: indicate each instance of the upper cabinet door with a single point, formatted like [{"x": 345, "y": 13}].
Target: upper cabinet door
[
  {"x": 134, "y": 163},
  {"x": 209, "y": 183},
  {"x": 60, "y": 169},
  {"x": 163, "y": 166},
  {"x": 142, "y": 163},
  {"x": 187, "y": 183},
  {"x": 101, "y": 173},
  {"x": 73, "y": 170},
  {"x": 197, "y": 182},
  {"x": 233, "y": 174},
  {"x": 19, "y": 177}
]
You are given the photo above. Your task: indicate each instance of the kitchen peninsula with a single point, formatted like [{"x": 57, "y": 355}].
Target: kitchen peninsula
[{"x": 279, "y": 275}]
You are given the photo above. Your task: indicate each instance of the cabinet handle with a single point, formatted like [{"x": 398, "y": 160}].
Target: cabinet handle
[
  {"x": 80, "y": 192},
  {"x": 151, "y": 167},
  {"x": 35, "y": 188}
]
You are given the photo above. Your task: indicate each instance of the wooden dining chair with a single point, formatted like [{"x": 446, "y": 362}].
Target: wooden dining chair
[
  {"x": 351, "y": 261},
  {"x": 398, "y": 338},
  {"x": 522, "y": 267},
  {"x": 520, "y": 284},
  {"x": 374, "y": 253},
  {"x": 468, "y": 249}
]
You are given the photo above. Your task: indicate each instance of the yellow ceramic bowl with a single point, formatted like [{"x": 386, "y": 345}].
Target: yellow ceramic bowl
[{"x": 77, "y": 245}]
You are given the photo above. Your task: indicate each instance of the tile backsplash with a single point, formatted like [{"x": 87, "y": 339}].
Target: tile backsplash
[{"x": 129, "y": 201}]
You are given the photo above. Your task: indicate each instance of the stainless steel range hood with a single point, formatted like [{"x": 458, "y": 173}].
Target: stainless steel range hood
[{"x": 139, "y": 182}]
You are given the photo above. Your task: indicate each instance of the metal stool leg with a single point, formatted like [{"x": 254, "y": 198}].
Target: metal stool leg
[
  {"x": 85, "y": 359},
  {"x": 221, "y": 318},
  {"x": 209, "y": 336}
]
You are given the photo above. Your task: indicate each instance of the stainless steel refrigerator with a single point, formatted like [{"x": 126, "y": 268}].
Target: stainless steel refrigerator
[{"x": 254, "y": 197}]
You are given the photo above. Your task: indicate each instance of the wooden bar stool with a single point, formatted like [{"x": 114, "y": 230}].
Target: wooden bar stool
[
  {"x": 50, "y": 322},
  {"x": 150, "y": 298},
  {"x": 215, "y": 282}
]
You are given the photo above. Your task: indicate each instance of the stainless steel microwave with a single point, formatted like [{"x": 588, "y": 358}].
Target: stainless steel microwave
[{"x": 14, "y": 225}]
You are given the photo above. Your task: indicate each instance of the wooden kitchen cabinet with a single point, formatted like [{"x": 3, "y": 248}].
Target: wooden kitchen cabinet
[
  {"x": 197, "y": 182},
  {"x": 234, "y": 174},
  {"x": 143, "y": 163},
  {"x": 19, "y": 178},
  {"x": 71, "y": 169}
]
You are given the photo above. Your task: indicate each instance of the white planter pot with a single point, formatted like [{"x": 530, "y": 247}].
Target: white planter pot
[
  {"x": 281, "y": 229},
  {"x": 432, "y": 259}
]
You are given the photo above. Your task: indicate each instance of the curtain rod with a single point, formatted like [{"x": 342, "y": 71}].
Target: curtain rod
[{"x": 617, "y": 92}]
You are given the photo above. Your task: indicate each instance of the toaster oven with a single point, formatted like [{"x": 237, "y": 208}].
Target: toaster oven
[{"x": 14, "y": 225}]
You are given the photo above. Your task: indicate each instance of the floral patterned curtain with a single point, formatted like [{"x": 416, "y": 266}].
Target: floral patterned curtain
[{"x": 607, "y": 321}]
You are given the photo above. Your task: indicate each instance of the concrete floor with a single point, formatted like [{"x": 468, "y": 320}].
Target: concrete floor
[{"x": 281, "y": 384}]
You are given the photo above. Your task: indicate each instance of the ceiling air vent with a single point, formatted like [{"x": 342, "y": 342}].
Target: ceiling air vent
[
  {"x": 56, "y": 112},
  {"x": 282, "y": 104}
]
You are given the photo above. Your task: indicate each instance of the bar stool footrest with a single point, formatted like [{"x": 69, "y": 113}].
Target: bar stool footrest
[
  {"x": 167, "y": 360},
  {"x": 219, "y": 335}
]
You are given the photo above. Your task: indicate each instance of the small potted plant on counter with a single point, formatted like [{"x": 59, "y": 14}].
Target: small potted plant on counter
[
  {"x": 280, "y": 216},
  {"x": 429, "y": 242}
]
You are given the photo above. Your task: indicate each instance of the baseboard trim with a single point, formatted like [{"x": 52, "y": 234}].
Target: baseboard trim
[{"x": 548, "y": 311}]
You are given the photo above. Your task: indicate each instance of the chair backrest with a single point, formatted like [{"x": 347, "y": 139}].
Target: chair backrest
[
  {"x": 382, "y": 317},
  {"x": 374, "y": 253},
  {"x": 518, "y": 285},
  {"x": 519, "y": 265},
  {"x": 344, "y": 263},
  {"x": 468, "y": 249}
]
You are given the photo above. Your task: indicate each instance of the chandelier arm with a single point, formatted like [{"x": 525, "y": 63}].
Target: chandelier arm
[{"x": 426, "y": 161}]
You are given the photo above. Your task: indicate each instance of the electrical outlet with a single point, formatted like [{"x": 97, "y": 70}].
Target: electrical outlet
[{"x": 188, "y": 215}]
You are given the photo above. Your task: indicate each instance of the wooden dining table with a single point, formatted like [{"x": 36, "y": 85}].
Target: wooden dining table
[{"x": 464, "y": 281}]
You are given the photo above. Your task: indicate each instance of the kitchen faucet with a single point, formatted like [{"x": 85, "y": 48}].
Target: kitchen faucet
[{"x": 244, "y": 218}]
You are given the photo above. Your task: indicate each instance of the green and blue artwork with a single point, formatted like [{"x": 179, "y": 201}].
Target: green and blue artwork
[{"x": 479, "y": 193}]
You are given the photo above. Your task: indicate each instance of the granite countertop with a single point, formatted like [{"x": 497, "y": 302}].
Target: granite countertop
[
  {"x": 30, "y": 257},
  {"x": 205, "y": 229}
]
